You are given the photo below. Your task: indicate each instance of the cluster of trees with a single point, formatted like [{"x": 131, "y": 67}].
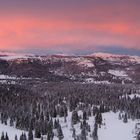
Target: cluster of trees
[
  {"x": 4, "y": 136},
  {"x": 36, "y": 110}
]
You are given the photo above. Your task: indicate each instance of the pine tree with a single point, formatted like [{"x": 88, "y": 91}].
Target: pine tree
[
  {"x": 65, "y": 118},
  {"x": 75, "y": 117},
  {"x": 73, "y": 133},
  {"x": 48, "y": 136},
  {"x": 16, "y": 138},
  {"x": 60, "y": 133},
  {"x": 30, "y": 134},
  {"x": 6, "y": 137},
  {"x": 24, "y": 136},
  {"x": 56, "y": 124},
  {"x": 84, "y": 115},
  {"x": 11, "y": 122},
  {"x": 125, "y": 120},
  {"x": 95, "y": 132},
  {"x": 98, "y": 118},
  {"x": 2, "y": 136},
  {"x": 138, "y": 136},
  {"x": 21, "y": 137},
  {"x": 120, "y": 117},
  {"x": 83, "y": 134},
  {"x": 37, "y": 131}
]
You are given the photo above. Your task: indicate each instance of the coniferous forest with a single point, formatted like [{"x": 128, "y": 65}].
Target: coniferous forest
[{"x": 53, "y": 110}]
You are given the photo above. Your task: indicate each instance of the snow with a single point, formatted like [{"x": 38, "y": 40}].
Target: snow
[
  {"x": 113, "y": 129},
  {"x": 118, "y": 73},
  {"x": 11, "y": 131},
  {"x": 134, "y": 95},
  {"x": 135, "y": 59},
  {"x": 2, "y": 76},
  {"x": 105, "y": 55},
  {"x": 116, "y": 57},
  {"x": 91, "y": 80},
  {"x": 86, "y": 63},
  {"x": 12, "y": 57}
]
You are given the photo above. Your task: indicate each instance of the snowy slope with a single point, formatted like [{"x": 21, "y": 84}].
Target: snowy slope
[{"x": 113, "y": 129}]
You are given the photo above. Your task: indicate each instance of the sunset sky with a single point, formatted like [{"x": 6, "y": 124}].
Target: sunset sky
[{"x": 70, "y": 26}]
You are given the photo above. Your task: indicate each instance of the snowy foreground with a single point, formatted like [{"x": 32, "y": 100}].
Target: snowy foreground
[{"x": 112, "y": 128}]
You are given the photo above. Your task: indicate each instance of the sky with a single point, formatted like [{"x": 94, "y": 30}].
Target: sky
[{"x": 70, "y": 26}]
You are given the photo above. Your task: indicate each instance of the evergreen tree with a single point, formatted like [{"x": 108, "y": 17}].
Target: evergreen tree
[
  {"x": 125, "y": 120},
  {"x": 84, "y": 115},
  {"x": 138, "y": 136},
  {"x": 24, "y": 136},
  {"x": 65, "y": 118},
  {"x": 98, "y": 118},
  {"x": 95, "y": 132},
  {"x": 49, "y": 136},
  {"x": 75, "y": 117},
  {"x": 56, "y": 124},
  {"x": 120, "y": 117},
  {"x": 6, "y": 137},
  {"x": 37, "y": 131},
  {"x": 73, "y": 133},
  {"x": 16, "y": 138},
  {"x": 30, "y": 134},
  {"x": 83, "y": 134},
  {"x": 2, "y": 136},
  {"x": 21, "y": 137},
  {"x": 11, "y": 122},
  {"x": 60, "y": 133}
]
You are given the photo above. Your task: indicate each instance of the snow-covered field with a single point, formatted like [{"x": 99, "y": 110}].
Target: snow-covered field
[
  {"x": 113, "y": 129},
  {"x": 118, "y": 73}
]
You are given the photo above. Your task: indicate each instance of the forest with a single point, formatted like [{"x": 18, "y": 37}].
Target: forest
[{"x": 37, "y": 109}]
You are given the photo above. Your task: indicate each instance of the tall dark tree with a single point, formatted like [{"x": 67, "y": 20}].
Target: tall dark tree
[
  {"x": 30, "y": 134},
  {"x": 2, "y": 136},
  {"x": 6, "y": 137},
  {"x": 95, "y": 132},
  {"x": 60, "y": 133},
  {"x": 75, "y": 117},
  {"x": 16, "y": 138},
  {"x": 125, "y": 119}
]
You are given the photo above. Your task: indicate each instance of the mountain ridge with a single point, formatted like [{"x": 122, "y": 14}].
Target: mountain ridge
[{"x": 98, "y": 68}]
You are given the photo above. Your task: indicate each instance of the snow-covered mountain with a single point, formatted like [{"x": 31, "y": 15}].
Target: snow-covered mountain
[{"x": 95, "y": 68}]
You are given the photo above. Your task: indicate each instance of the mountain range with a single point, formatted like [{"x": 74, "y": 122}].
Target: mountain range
[{"x": 96, "y": 68}]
